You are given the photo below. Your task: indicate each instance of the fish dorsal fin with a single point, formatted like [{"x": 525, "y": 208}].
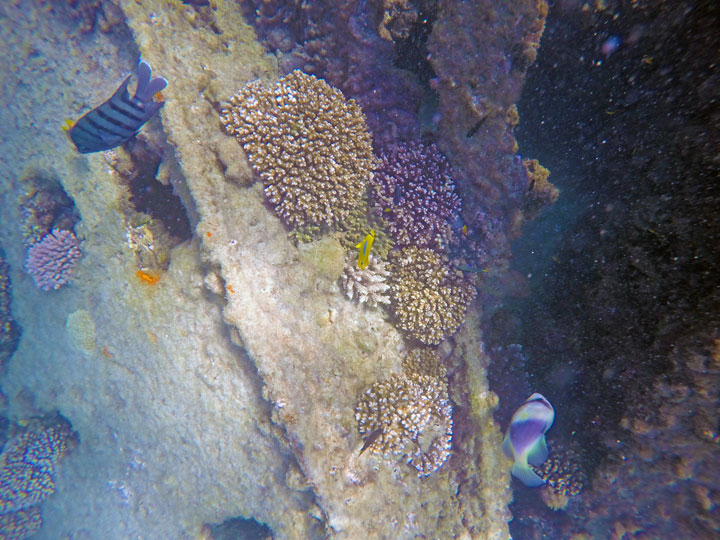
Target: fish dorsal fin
[
  {"x": 122, "y": 89},
  {"x": 147, "y": 87},
  {"x": 538, "y": 453}
]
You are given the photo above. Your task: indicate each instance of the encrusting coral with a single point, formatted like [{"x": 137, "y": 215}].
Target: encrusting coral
[
  {"x": 367, "y": 286},
  {"x": 411, "y": 415},
  {"x": 429, "y": 298},
  {"x": 310, "y": 145}
]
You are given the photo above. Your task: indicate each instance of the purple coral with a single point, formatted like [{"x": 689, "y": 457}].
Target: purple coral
[
  {"x": 50, "y": 261},
  {"x": 414, "y": 191}
]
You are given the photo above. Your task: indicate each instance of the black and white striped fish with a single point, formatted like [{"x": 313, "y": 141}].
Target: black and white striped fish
[{"x": 120, "y": 117}]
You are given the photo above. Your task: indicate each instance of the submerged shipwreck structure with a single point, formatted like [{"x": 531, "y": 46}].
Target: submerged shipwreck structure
[{"x": 213, "y": 347}]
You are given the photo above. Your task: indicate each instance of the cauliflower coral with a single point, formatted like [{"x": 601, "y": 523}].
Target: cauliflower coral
[
  {"x": 309, "y": 144},
  {"x": 429, "y": 297}
]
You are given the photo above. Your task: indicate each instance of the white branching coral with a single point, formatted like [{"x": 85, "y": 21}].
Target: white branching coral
[
  {"x": 410, "y": 415},
  {"x": 367, "y": 286}
]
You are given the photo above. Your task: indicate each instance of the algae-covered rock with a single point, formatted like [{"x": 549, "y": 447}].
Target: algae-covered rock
[
  {"x": 326, "y": 256},
  {"x": 81, "y": 331}
]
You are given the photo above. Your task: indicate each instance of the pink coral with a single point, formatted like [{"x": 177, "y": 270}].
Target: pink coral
[
  {"x": 50, "y": 261},
  {"x": 414, "y": 191}
]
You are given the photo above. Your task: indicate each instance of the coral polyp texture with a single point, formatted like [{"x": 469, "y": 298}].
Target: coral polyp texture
[
  {"x": 429, "y": 297},
  {"x": 413, "y": 416},
  {"x": 20, "y": 524},
  {"x": 413, "y": 190},
  {"x": 309, "y": 144},
  {"x": 50, "y": 261},
  {"x": 369, "y": 285},
  {"x": 27, "y": 468},
  {"x": 563, "y": 475},
  {"x": 425, "y": 361}
]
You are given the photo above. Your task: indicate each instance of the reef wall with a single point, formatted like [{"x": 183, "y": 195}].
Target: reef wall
[
  {"x": 226, "y": 383},
  {"x": 173, "y": 429}
]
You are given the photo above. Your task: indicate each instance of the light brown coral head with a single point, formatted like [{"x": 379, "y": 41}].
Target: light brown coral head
[
  {"x": 429, "y": 297},
  {"x": 309, "y": 144},
  {"x": 413, "y": 415}
]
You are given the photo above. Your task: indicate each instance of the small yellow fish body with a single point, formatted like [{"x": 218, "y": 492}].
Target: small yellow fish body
[
  {"x": 364, "y": 247},
  {"x": 68, "y": 125}
]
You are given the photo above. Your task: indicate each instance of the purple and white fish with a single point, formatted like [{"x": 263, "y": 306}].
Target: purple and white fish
[{"x": 525, "y": 438}]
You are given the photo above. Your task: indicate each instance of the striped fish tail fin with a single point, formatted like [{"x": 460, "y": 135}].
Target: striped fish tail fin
[{"x": 147, "y": 87}]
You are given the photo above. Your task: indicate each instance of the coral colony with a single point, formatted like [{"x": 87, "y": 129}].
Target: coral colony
[
  {"x": 309, "y": 144},
  {"x": 413, "y": 190},
  {"x": 50, "y": 261},
  {"x": 312, "y": 149},
  {"x": 410, "y": 414},
  {"x": 429, "y": 297},
  {"x": 27, "y": 477}
]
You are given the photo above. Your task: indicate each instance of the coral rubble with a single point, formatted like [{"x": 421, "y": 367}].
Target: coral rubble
[
  {"x": 309, "y": 144},
  {"x": 429, "y": 297}
]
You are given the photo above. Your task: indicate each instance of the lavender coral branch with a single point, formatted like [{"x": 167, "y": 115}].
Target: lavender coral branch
[
  {"x": 50, "y": 261},
  {"x": 414, "y": 191}
]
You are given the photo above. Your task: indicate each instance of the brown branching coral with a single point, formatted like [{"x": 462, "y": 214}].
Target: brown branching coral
[
  {"x": 429, "y": 297},
  {"x": 563, "y": 476},
  {"x": 310, "y": 145},
  {"x": 425, "y": 361},
  {"x": 367, "y": 286},
  {"x": 409, "y": 415}
]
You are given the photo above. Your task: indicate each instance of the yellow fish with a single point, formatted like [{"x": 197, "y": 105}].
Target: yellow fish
[{"x": 364, "y": 247}]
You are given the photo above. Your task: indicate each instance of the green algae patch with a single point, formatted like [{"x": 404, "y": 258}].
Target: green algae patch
[{"x": 326, "y": 256}]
